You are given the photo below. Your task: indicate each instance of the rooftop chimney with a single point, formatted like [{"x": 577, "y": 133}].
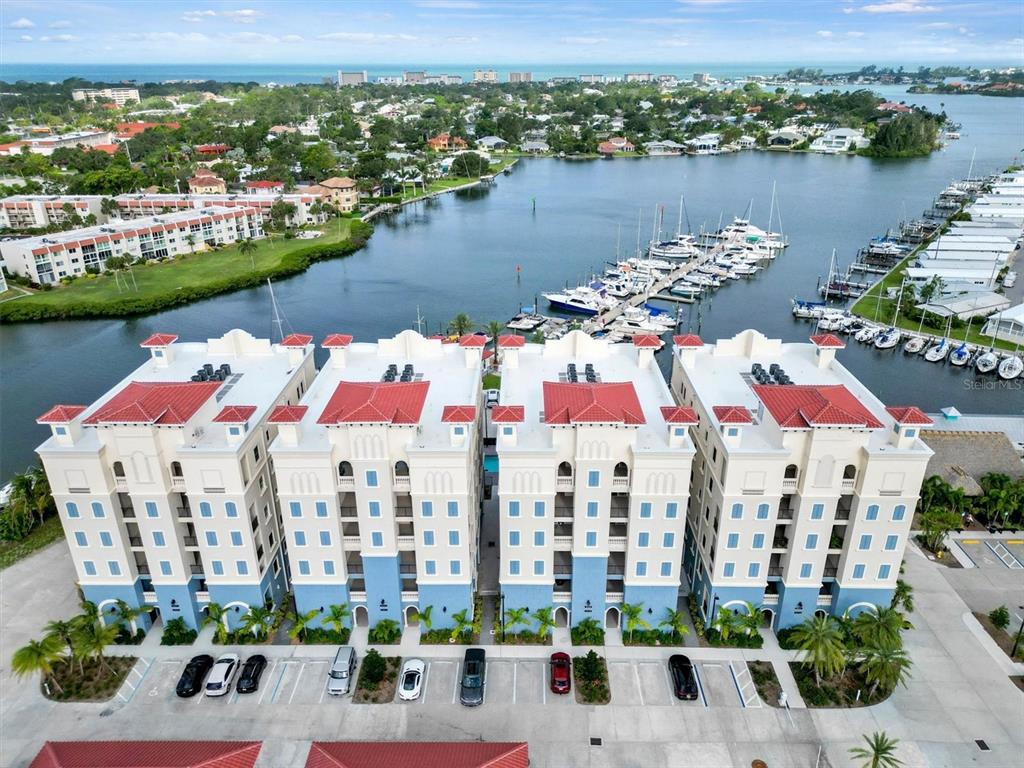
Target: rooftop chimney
[
  {"x": 160, "y": 348},
  {"x": 338, "y": 344}
]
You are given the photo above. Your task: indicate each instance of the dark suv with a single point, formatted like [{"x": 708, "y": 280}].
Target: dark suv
[
  {"x": 684, "y": 681},
  {"x": 474, "y": 669}
]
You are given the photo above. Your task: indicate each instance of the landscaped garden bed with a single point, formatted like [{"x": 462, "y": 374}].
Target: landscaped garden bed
[
  {"x": 464, "y": 630},
  {"x": 590, "y": 673},
  {"x": 991, "y": 622},
  {"x": 766, "y": 681},
  {"x": 98, "y": 680},
  {"x": 378, "y": 676}
]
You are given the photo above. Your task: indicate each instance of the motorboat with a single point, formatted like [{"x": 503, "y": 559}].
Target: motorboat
[
  {"x": 526, "y": 321},
  {"x": 743, "y": 270},
  {"x": 571, "y": 302},
  {"x": 831, "y": 322},
  {"x": 868, "y": 333},
  {"x": 851, "y": 324},
  {"x": 680, "y": 247},
  {"x": 660, "y": 322},
  {"x": 960, "y": 356},
  {"x": 914, "y": 345},
  {"x": 986, "y": 362},
  {"x": 887, "y": 339},
  {"x": 686, "y": 289},
  {"x": 938, "y": 352},
  {"x": 1011, "y": 367},
  {"x": 802, "y": 308},
  {"x": 704, "y": 280}
]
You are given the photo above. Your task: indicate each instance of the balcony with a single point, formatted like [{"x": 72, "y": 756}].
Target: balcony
[
  {"x": 142, "y": 569},
  {"x": 565, "y": 483},
  {"x": 561, "y": 597},
  {"x": 135, "y": 542},
  {"x": 830, "y": 573},
  {"x": 613, "y": 597},
  {"x": 403, "y": 512},
  {"x": 616, "y": 569},
  {"x": 346, "y": 483},
  {"x": 620, "y": 482},
  {"x": 128, "y": 512},
  {"x": 407, "y": 568},
  {"x": 785, "y": 513},
  {"x": 775, "y": 570},
  {"x": 620, "y": 512},
  {"x": 184, "y": 513},
  {"x": 349, "y": 512},
  {"x": 770, "y": 600},
  {"x": 616, "y": 543},
  {"x": 177, "y": 483},
  {"x": 357, "y": 597},
  {"x": 195, "y": 569},
  {"x": 402, "y": 483},
  {"x": 351, "y": 542},
  {"x": 824, "y": 601},
  {"x": 563, "y": 542},
  {"x": 410, "y": 596},
  {"x": 202, "y": 597},
  {"x": 149, "y": 598},
  {"x": 190, "y": 541},
  {"x": 789, "y": 485},
  {"x": 563, "y": 511},
  {"x": 406, "y": 542},
  {"x": 121, "y": 483},
  {"x": 780, "y": 542},
  {"x": 848, "y": 485},
  {"x": 842, "y": 514}
]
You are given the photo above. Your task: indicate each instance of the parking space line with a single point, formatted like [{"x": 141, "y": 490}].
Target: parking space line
[
  {"x": 142, "y": 677},
  {"x": 515, "y": 677},
  {"x": 668, "y": 684},
  {"x": 426, "y": 676},
  {"x": 270, "y": 674},
  {"x": 455, "y": 688},
  {"x": 543, "y": 685},
  {"x": 1005, "y": 556},
  {"x": 302, "y": 669},
  {"x": 700, "y": 687},
  {"x": 639, "y": 688}
]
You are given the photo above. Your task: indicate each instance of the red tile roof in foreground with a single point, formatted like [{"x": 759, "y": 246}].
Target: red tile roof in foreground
[
  {"x": 732, "y": 414},
  {"x": 147, "y": 754},
  {"x": 647, "y": 340},
  {"x": 296, "y": 340},
  {"x": 472, "y": 340},
  {"x": 155, "y": 402},
  {"x": 511, "y": 341},
  {"x": 828, "y": 341},
  {"x": 336, "y": 340},
  {"x": 801, "y": 406},
  {"x": 508, "y": 414},
  {"x": 418, "y": 754},
  {"x": 572, "y": 403},
  {"x": 677, "y": 414},
  {"x": 159, "y": 340},
  {"x": 688, "y": 340},
  {"x": 391, "y": 402},
  {"x": 60, "y": 414},
  {"x": 909, "y": 414},
  {"x": 458, "y": 414},
  {"x": 287, "y": 414},
  {"x": 235, "y": 414}
]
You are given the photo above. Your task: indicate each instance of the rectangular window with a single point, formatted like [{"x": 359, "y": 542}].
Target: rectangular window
[
  {"x": 430, "y": 567},
  {"x": 328, "y": 567},
  {"x": 114, "y": 567},
  {"x": 671, "y": 510},
  {"x": 158, "y": 539},
  {"x": 728, "y": 570},
  {"x": 300, "y": 538},
  {"x": 762, "y": 511},
  {"x": 732, "y": 541},
  {"x": 374, "y": 507},
  {"x": 296, "y": 508},
  {"x": 97, "y": 510},
  {"x": 891, "y": 542},
  {"x": 304, "y": 567},
  {"x": 668, "y": 540},
  {"x": 643, "y": 539},
  {"x": 538, "y": 509},
  {"x": 666, "y": 568},
  {"x": 453, "y": 509},
  {"x": 72, "y": 509},
  {"x": 428, "y": 538},
  {"x": 513, "y": 509},
  {"x": 591, "y": 538},
  {"x": 205, "y": 510},
  {"x": 805, "y": 571},
  {"x": 817, "y": 511},
  {"x": 645, "y": 509},
  {"x": 758, "y": 541},
  {"x": 508, "y": 431},
  {"x": 321, "y": 509},
  {"x": 459, "y": 431},
  {"x": 453, "y": 538},
  {"x": 538, "y": 538},
  {"x": 865, "y": 542},
  {"x": 325, "y": 538},
  {"x": 377, "y": 539},
  {"x": 898, "y": 512},
  {"x": 538, "y": 567},
  {"x": 89, "y": 567},
  {"x": 592, "y": 509},
  {"x": 218, "y": 568},
  {"x": 513, "y": 567},
  {"x": 231, "y": 509},
  {"x": 236, "y": 538},
  {"x": 884, "y": 571},
  {"x": 872, "y": 513},
  {"x": 371, "y": 478},
  {"x": 513, "y": 538},
  {"x": 737, "y": 512},
  {"x": 151, "y": 510},
  {"x": 858, "y": 571},
  {"x": 455, "y": 567},
  {"x": 211, "y": 539},
  {"x": 911, "y": 433},
  {"x": 593, "y": 478},
  {"x": 812, "y": 541},
  {"x": 165, "y": 567},
  {"x": 427, "y": 508},
  {"x": 641, "y": 568},
  {"x": 753, "y": 570}
]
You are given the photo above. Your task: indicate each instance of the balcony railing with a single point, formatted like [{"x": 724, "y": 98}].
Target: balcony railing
[
  {"x": 830, "y": 573},
  {"x": 617, "y": 543},
  {"x": 347, "y": 482},
  {"x": 407, "y": 541},
  {"x": 121, "y": 483},
  {"x": 789, "y": 485},
  {"x": 402, "y": 483},
  {"x": 780, "y": 542},
  {"x": 565, "y": 483},
  {"x": 616, "y": 570},
  {"x": 350, "y": 542},
  {"x": 142, "y": 569},
  {"x": 349, "y": 512},
  {"x": 407, "y": 567},
  {"x": 620, "y": 482},
  {"x": 563, "y": 511},
  {"x": 354, "y": 570},
  {"x": 562, "y": 569},
  {"x": 770, "y": 600},
  {"x": 190, "y": 541},
  {"x": 563, "y": 542},
  {"x": 824, "y": 600},
  {"x": 149, "y": 597},
  {"x": 128, "y": 512},
  {"x": 195, "y": 569},
  {"x": 135, "y": 541},
  {"x": 561, "y": 597},
  {"x": 184, "y": 512},
  {"x": 177, "y": 483},
  {"x": 613, "y": 597},
  {"x": 786, "y": 513},
  {"x": 403, "y": 512},
  {"x": 775, "y": 570},
  {"x": 357, "y": 597},
  {"x": 849, "y": 484},
  {"x": 410, "y": 596},
  {"x": 619, "y": 513},
  {"x": 202, "y": 597},
  {"x": 842, "y": 514}
]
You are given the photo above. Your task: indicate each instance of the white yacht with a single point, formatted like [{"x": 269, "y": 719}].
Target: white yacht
[
  {"x": 960, "y": 355},
  {"x": 887, "y": 339},
  {"x": 914, "y": 345},
  {"x": 938, "y": 352}
]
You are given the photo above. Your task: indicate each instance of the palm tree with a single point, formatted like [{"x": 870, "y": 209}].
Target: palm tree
[
  {"x": 257, "y": 620},
  {"x": 462, "y": 623},
  {"x": 516, "y": 616},
  {"x": 460, "y": 325},
  {"x": 881, "y": 627},
  {"x": 545, "y": 620},
  {"x": 42, "y": 498},
  {"x": 90, "y": 613},
  {"x": 336, "y": 617},
  {"x": 903, "y": 596},
  {"x": 63, "y": 630},
  {"x": 494, "y": 329},
  {"x": 425, "y": 619},
  {"x": 634, "y": 615},
  {"x": 128, "y": 614},
  {"x": 725, "y": 623},
  {"x": 248, "y": 248},
  {"x": 92, "y": 639},
  {"x": 933, "y": 490},
  {"x": 676, "y": 624},
  {"x": 821, "y": 639},
  {"x": 191, "y": 240},
  {"x": 749, "y": 621},
  {"x": 216, "y": 615},
  {"x": 301, "y": 622},
  {"x": 885, "y": 667},
  {"x": 879, "y": 753},
  {"x": 39, "y": 656}
]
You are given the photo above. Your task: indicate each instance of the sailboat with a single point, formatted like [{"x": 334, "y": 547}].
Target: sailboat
[
  {"x": 938, "y": 352},
  {"x": 914, "y": 345},
  {"x": 1011, "y": 367},
  {"x": 887, "y": 339},
  {"x": 960, "y": 355},
  {"x": 986, "y": 362}
]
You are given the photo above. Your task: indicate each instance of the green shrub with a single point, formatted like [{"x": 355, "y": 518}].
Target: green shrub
[
  {"x": 324, "y": 636},
  {"x": 1000, "y": 617},
  {"x": 177, "y": 632},
  {"x": 375, "y": 667},
  {"x": 386, "y": 632},
  {"x": 587, "y": 632},
  {"x": 125, "y": 636}
]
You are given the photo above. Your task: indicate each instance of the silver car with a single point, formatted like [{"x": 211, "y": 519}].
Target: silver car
[
  {"x": 339, "y": 679},
  {"x": 222, "y": 674}
]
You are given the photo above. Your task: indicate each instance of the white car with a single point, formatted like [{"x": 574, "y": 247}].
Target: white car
[
  {"x": 411, "y": 680},
  {"x": 222, "y": 674},
  {"x": 491, "y": 396}
]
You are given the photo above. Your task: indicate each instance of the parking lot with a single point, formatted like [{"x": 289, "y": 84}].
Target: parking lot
[{"x": 998, "y": 576}]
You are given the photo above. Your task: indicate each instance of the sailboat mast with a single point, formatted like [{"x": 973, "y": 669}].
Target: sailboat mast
[
  {"x": 639, "y": 223},
  {"x": 679, "y": 221},
  {"x": 277, "y": 313},
  {"x": 771, "y": 209}
]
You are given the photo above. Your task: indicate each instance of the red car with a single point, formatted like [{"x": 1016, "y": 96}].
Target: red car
[{"x": 561, "y": 673}]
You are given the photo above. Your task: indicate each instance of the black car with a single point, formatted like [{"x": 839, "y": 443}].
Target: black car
[
  {"x": 252, "y": 670},
  {"x": 191, "y": 681},
  {"x": 684, "y": 680},
  {"x": 474, "y": 668}
]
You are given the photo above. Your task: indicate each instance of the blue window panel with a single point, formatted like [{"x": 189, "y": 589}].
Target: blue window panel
[
  {"x": 89, "y": 567},
  {"x": 538, "y": 567},
  {"x": 884, "y": 571},
  {"x": 679, "y": 431},
  {"x": 812, "y": 541},
  {"x": 236, "y": 538},
  {"x": 430, "y": 567},
  {"x": 304, "y": 567},
  {"x": 211, "y": 539},
  {"x": 732, "y": 431},
  {"x": 645, "y": 509},
  {"x": 898, "y": 512},
  {"x": 508, "y": 431},
  {"x": 218, "y": 568},
  {"x": 762, "y": 511},
  {"x": 513, "y": 567},
  {"x": 817, "y": 511},
  {"x": 858, "y": 571},
  {"x": 591, "y": 538},
  {"x": 80, "y": 539},
  {"x": 758, "y": 541},
  {"x": 371, "y": 478},
  {"x": 165, "y": 567},
  {"x": 105, "y": 539},
  {"x": 325, "y": 538},
  {"x": 538, "y": 509},
  {"x": 428, "y": 538},
  {"x": 427, "y": 508},
  {"x": 513, "y": 538},
  {"x": 671, "y": 510},
  {"x": 72, "y": 509},
  {"x": 513, "y": 509},
  {"x": 737, "y": 512},
  {"x": 728, "y": 570},
  {"x": 300, "y": 538},
  {"x": 321, "y": 509},
  {"x": 911, "y": 433},
  {"x": 666, "y": 568},
  {"x": 158, "y": 539},
  {"x": 872, "y": 513},
  {"x": 732, "y": 541},
  {"x": 593, "y": 478},
  {"x": 97, "y": 510},
  {"x": 114, "y": 567},
  {"x": 592, "y": 509},
  {"x": 205, "y": 510},
  {"x": 230, "y": 509},
  {"x": 151, "y": 510},
  {"x": 459, "y": 430},
  {"x": 753, "y": 570},
  {"x": 805, "y": 571},
  {"x": 865, "y": 542},
  {"x": 455, "y": 567},
  {"x": 641, "y": 568},
  {"x": 453, "y": 509},
  {"x": 377, "y": 539},
  {"x": 643, "y": 539},
  {"x": 374, "y": 507},
  {"x": 296, "y": 508},
  {"x": 668, "y": 540},
  {"x": 891, "y": 542},
  {"x": 453, "y": 538},
  {"x": 538, "y": 538},
  {"x": 328, "y": 567}
]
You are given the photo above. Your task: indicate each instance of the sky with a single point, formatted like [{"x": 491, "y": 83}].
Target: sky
[{"x": 496, "y": 32}]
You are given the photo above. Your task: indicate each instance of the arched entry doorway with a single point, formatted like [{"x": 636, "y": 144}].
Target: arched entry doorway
[
  {"x": 361, "y": 616},
  {"x": 767, "y": 617},
  {"x": 412, "y": 616},
  {"x": 561, "y": 616},
  {"x": 611, "y": 618},
  {"x": 820, "y": 613}
]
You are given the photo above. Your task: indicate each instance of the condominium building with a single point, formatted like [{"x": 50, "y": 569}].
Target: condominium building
[
  {"x": 414, "y": 77},
  {"x": 485, "y": 76},
  {"x": 30, "y": 211},
  {"x": 351, "y": 78},
  {"x": 594, "y": 466},
  {"x": 804, "y": 483},
  {"x": 48, "y": 258},
  {"x": 378, "y": 474},
  {"x": 163, "y": 484},
  {"x": 134, "y": 206},
  {"x": 520, "y": 77},
  {"x": 118, "y": 96},
  {"x": 639, "y": 77},
  {"x": 47, "y": 145}
]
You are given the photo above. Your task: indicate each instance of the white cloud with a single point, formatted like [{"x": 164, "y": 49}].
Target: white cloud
[
  {"x": 22, "y": 23},
  {"x": 258, "y": 38},
  {"x": 938, "y": 25},
  {"x": 460, "y": 5},
  {"x": 364, "y": 37},
  {"x": 673, "y": 42},
  {"x": 825, "y": 33},
  {"x": 462, "y": 39},
  {"x": 244, "y": 15},
  {"x": 908, "y": 6},
  {"x": 167, "y": 37},
  {"x": 26, "y": 38},
  {"x": 583, "y": 40},
  {"x": 855, "y": 34},
  {"x": 62, "y": 24},
  {"x": 197, "y": 16},
  {"x": 291, "y": 38},
  {"x": 57, "y": 39}
]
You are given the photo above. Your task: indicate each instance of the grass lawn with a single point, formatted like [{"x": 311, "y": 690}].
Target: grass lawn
[
  {"x": 492, "y": 381},
  {"x": 39, "y": 537},
  {"x": 450, "y": 182},
  {"x": 13, "y": 292}
]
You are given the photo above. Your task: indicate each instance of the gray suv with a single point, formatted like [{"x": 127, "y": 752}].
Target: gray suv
[
  {"x": 474, "y": 669},
  {"x": 339, "y": 679}
]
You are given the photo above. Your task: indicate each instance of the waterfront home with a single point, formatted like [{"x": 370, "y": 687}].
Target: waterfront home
[
  {"x": 892, "y": 106},
  {"x": 615, "y": 144},
  {"x": 341, "y": 190},
  {"x": 206, "y": 182},
  {"x": 535, "y": 147},
  {"x": 1007, "y": 325},
  {"x": 263, "y": 187},
  {"x": 965, "y": 305},
  {"x": 785, "y": 138},
  {"x": 212, "y": 150},
  {"x": 492, "y": 143},
  {"x": 746, "y": 142},
  {"x": 840, "y": 140},
  {"x": 445, "y": 142},
  {"x": 666, "y": 147},
  {"x": 705, "y": 144}
]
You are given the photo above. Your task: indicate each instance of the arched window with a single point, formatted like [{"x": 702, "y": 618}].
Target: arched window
[
  {"x": 791, "y": 472},
  {"x": 118, "y": 469},
  {"x": 176, "y": 469},
  {"x": 401, "y": 469},
  {"x": 345, "y": 469},
  {"x": 849, "y": 472},
  {"x": 621, "y": 470},
  {"x": 565, "y": 469}
]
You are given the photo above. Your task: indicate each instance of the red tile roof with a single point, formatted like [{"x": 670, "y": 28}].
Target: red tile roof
[
  {"x": 391, "y": 402},
  {"x": 60, "y": 414},
  {"x": 909, "y": 414},
  {"x": 508, "y": 414},
  {"x": 160, "y": 340},
  {"x": 264, "y": 184},
  {"x": 570, "y": 403},
  {"x": 287, "y": 414},
  {"x": 155, "y": 402},
  {"x": 687, "y": 340},
  {"x": 647, "y": 340},
  {"x": 336, "y": 340},
  {"x": 458, "y": 414},
  {"x": 235, "y": 414},
  {"x": 677, "y": 414},
  {"x": 147, "y": 754},
  {"x": 732, "y": 414},
  {"x": 511, "y": 341},
  {"x": 828, "y": 341},
  {"x": 800, "y": 406},
  {"x": 296, "y": 340},
  {"x": 418, "y": 754},
  {"x": 472, "y": 340}
]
